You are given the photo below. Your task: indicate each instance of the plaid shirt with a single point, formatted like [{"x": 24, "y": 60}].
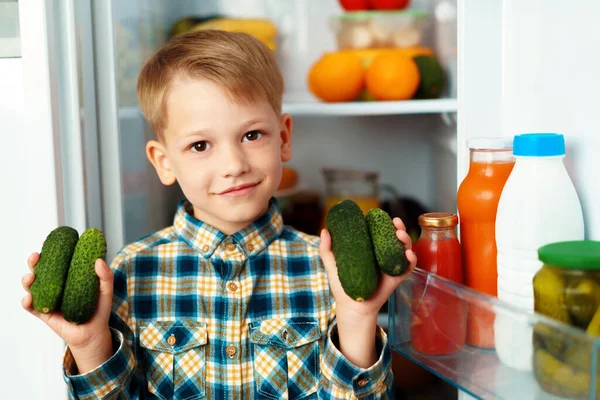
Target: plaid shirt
[{"x": 199, "y": 314}]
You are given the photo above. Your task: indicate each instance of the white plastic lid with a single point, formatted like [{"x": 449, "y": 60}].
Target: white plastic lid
[{"x": 490, "y": 143}]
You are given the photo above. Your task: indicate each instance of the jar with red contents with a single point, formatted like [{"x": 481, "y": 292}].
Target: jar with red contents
[{"x": 439, "y": 316}]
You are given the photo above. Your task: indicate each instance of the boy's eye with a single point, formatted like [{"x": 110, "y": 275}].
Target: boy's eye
[
  {"x": 200, "y": 146},
  {"x": 252, "y": 135}
]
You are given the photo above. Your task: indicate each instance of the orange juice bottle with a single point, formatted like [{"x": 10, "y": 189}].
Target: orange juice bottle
[{"x": 491, "y": 162}]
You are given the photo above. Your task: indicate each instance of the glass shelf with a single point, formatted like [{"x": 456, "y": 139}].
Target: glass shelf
[
  {"x": 530, "y": 356},
  {"x": 313, "y": 108},
  {"x": 304, "y": 104}
]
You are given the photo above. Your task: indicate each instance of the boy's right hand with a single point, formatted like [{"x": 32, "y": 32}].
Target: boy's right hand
[{"x": 90, "y": 343}]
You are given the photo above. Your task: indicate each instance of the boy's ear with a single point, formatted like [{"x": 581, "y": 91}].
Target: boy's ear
[
  {"x": 286, "y": 126},
  {"x": 155, "y": 151}
]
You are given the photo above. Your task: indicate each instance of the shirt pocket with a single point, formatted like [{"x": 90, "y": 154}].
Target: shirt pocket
[
  {"x": 286, "y": 357},
  {"x": 175, "y": 358}
]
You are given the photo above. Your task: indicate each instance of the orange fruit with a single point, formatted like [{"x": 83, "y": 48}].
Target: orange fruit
[
  {"x": 392, "y": 77},
  {"x": 337, "y": 77}
]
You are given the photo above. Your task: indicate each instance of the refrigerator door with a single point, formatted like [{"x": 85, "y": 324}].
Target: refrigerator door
[
  {"x": 70, "y": 72},
  {"x": 69, "y": 77},
  {"x": 50, "y": 169},
  {"x": 526, "y": 66},
  {"x": 134, "y": 202}
]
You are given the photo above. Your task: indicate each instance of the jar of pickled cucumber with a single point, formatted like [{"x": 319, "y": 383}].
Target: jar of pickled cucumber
[{"x": 567, "y": 289}]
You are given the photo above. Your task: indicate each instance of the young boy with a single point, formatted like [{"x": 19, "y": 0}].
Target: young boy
[{"x": 227, "y": 303}]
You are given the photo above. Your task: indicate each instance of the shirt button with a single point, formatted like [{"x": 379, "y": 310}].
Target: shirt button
[
  {"x": 363, "y": 382},
  {"x": 232, "y": 286},
  {"x": 230, "y": 246},
  {"x": 249, "y": 247},
  {"x": 231, "y": 350},
  {"x": 171, "y": 340},
  {"x": 205, "y": 248}
]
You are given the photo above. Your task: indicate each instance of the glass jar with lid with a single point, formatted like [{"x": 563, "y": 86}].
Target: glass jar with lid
[
  {"x": 566, "y": 289},
  {"x": 439, "y": 321},
  {"x": 362, "y": 187}
]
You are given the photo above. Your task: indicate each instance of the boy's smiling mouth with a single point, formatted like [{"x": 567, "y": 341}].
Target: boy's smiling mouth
[{"x": 239, "y": 190}]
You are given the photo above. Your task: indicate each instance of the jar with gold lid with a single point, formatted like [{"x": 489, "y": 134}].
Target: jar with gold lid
[
  {"x": 438, "y": 324},
  {"x": 438, "y": 249}
]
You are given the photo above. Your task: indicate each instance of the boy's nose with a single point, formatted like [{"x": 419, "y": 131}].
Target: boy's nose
[{"x": 234, "y": 162}]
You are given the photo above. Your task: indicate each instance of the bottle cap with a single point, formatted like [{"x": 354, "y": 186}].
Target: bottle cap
[
  {"x": 539, "y": 145},
  {"x": 438, "y": 220},
  {"x": 578, "y": 254}
]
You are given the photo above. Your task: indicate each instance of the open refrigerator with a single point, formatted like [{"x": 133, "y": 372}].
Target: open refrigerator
[
  {"x": 516, "y": 72},
  {"x": 410, "y": 144}
]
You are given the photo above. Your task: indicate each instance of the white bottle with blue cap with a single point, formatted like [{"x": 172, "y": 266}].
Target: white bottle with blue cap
[{"x": 538, "y": 205}]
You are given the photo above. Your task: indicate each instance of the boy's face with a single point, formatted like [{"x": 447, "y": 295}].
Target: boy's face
[{"x": 226, "y": 156}]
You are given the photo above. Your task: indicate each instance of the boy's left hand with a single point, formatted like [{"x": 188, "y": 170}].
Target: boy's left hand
[{"x": 387, "y": 283}]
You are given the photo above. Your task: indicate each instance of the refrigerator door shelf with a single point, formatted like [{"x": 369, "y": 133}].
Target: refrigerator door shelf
[{"x": 480, "y": 372}]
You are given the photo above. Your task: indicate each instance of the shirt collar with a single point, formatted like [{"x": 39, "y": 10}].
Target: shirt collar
[{"x": 205, "y": 238}]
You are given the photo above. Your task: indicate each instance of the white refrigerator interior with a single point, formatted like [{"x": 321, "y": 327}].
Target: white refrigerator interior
[{"x": 414, "y": 153}]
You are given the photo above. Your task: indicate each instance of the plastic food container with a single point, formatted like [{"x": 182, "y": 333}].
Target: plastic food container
[
  {"x": 379, "y": 29},
  {"x": 567, "y": 289}
]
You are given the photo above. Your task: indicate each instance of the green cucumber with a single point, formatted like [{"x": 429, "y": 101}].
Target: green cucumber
[
  {"x": 83, "y": 285},
  {"x": 52, "y": 268},
  {"x": 389, "y": 250},
  {"x": 353, "y": 250}
]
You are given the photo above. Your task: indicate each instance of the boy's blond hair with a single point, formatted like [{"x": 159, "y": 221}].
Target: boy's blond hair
[{"x": 238, "y": 62}]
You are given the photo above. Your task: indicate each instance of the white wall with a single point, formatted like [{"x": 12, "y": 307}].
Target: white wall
[
  {"x": 31, "y": 355},
  {"x": 551, "y": 84},
  {"x": 526, "y": 66},
  {"x": 480, "y": 76}
]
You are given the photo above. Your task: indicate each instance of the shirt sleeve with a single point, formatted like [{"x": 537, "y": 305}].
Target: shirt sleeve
[
  {"x": 106, "y": 381},
  {"x": 343, "y": 380},
  {"x": 120, "y": 377}
]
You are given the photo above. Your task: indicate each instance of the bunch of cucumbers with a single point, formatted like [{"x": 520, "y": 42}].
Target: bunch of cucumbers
[
  {"x": 65, "y": 276},
  {"x": 362, "y": 245}
]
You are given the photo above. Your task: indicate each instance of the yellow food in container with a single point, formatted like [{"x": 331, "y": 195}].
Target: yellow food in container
[{"x": 567, "y": 289}]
